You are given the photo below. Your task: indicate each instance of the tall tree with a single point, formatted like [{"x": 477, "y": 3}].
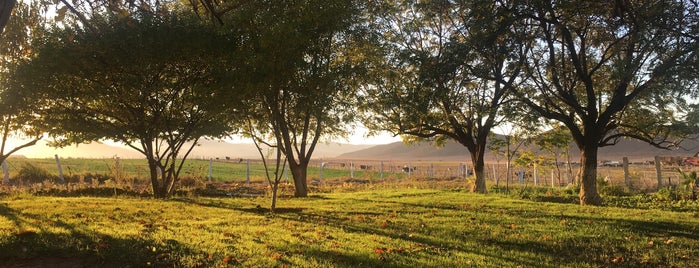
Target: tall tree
[
  {"x": 156, "y": 84},
  {"x": 609, "y": 70},
  {"x": 17, "y": 118},
  {"x": 306, "y": 58},
  {"x": 449, "y": 72}
]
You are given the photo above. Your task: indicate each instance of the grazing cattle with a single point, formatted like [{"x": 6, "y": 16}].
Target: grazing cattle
[
  {"x": 409, "y": 169},
  {"x": 365, "y": 167}
]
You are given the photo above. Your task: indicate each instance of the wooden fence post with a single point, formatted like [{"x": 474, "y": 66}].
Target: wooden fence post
[
  {"x": 351, "y": 167},
  {"x": 381, "y": 175},
  {"x": 60, "y": 169},
  {"x": 658, "y": 172},
  {"x": 320, "y": 171},
  {"x": 625, "y": 162}
]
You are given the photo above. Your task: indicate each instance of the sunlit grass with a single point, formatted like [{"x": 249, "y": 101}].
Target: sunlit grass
[{"x": 377, "y": 228}]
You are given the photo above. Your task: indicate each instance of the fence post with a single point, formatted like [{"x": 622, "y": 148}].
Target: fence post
[
  {"x": 410, "y": 169},
  {"x": 381, "y": 175},
  {"x": 6, "y": 173},
  {"x": 552, "y": 183},
  {"x": 117, "y": 166},
  {"x": 658, "y": 171},
  {"x": 351, "y": 167},
  {"x": 536, "y": 176},
  {"x": 60, "y": 169},
  {"x": 211, "y": 168},
  {"x": 247, "y": 172},
  {"x": 520, "y": 175},
  {"x": 495, "y": 174},
  {"x": 320, "y": 171},
  {"x": 625, "y": 162},
  {"x": 431, "y": 170}
]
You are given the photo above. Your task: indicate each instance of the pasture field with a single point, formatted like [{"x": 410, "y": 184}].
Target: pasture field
[
  {"x": 641, "y": 176},
  {"x": 222, "y": 170},
  {"x": 380, "y": 226}
]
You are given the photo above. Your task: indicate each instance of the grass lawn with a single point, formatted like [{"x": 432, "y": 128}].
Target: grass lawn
[{"x": 374, "y": 228}]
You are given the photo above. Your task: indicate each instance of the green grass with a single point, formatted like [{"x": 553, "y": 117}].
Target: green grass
[
  {"x": 194, "y": 168},
  {"x": 376, "y": 228}
]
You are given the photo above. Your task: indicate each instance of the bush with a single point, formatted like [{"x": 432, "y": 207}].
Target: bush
[
  {"x": 35, "y": 174},
  {"x": 613, "y": 190},
  {"x": 667, "y": 194}
]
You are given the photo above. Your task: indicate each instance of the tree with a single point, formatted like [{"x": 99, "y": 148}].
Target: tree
[
  {"x": 509, "y": 146},
  {"x": 305, "y": 64},
  {"x": 156, "y": 84},
  {"x": 449, "y": 72},
  {"x": 552, "y": 141},
  {"x": 274, "y": 167},
  {"x": 611, "y": 70},
  {"x": 17, "y": 119}
]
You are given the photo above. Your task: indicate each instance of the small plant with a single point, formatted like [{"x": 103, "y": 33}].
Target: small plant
[
  {"x": 667, "y": 194},
  {"x": 689, "y": 181}
]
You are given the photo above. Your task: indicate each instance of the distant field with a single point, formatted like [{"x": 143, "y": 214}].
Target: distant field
[
  {"x": 228, "y": 171},
  {"x": 377, "y": 228},
  {"x": 642, "y": 177}
]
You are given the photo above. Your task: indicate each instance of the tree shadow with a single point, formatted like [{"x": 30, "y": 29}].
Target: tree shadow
[{"x": 75, "y": 246}]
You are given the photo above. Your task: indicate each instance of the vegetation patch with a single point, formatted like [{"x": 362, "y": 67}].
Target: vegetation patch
[{"x": 372, "y": 228}]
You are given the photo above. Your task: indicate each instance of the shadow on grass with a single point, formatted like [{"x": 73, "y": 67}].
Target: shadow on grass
[{"x": 33, "y": 244}]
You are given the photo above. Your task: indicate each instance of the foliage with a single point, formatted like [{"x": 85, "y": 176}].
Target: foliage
[
  {"x": 689, "y": 182},
  {"x": 304, "y": 62},
  {"x": 602, "y": 69},
  {"x": 17, "y": 117},
  {"x": 157, "y": 84},
  {"x": 447, "y": 74},
  {"x": 379, "y": 228}
]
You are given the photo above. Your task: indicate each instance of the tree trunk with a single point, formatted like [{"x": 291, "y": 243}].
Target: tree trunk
[
  {"x": 588, "y": 178},
  {"x": 479, "y": 169},
  {"x": 299, "y": 173},
  {"x": 153, "y": 168},
  {"x": 275, "y": 187}
]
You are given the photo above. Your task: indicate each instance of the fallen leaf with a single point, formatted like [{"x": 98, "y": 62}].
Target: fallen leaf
[
  {"x": 618, "y": 259},
  {"x": 379, "y": 251}
]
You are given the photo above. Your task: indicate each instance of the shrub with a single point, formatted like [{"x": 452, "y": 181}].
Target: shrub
[
  {"x": 613, "y": 190},
  {"x": 35, "y": 174},
  {"x": 667, "y": 194}
]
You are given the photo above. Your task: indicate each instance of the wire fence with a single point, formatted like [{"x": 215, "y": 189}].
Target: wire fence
[{"x": 644, "y": 176}]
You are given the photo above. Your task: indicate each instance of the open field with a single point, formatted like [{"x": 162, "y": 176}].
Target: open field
[
  {"x": 642, "y": 177},
  {"x": 372, "y": 228}
]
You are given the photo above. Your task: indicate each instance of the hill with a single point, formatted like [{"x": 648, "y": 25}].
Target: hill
[
  {"x": 205, "y": 150},
  {"x": 636, "y": 151}
]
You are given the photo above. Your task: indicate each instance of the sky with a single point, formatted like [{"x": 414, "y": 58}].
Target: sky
[{"x": 41, "y": 150}]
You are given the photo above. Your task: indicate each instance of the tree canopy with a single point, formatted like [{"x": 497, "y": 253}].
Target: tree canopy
[
  {"x": 609, "y": 70},
  {"x": 17, "y": 117},
  {"x": 449, "y": 73},
  {"x": 157, "y": 76},
  {"x": 157, "y": 84},
  {"x": 305, "y": 64}
]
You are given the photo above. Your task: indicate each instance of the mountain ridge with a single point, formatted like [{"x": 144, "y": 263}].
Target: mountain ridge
[{"x": 452, "y": 151}]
